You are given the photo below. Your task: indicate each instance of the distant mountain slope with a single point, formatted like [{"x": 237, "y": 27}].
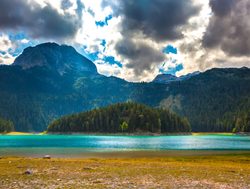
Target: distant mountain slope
[
  {"x": 212, "y": 100},
  {"x": 49, "y": 81},
  {"x": 168, "y": 78},
  {"x": 165, "y": 78}
]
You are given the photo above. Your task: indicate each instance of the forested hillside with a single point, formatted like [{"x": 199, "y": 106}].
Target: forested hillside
[
  {"x": 216, "y": 100},
  {"x": 125, "y": 117},
  {"x": 49, "y": 81},
  {"x": 239, "y": 119},
  {"x": 6, "y": 126}
]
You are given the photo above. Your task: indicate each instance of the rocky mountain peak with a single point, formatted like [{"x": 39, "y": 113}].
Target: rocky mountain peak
[{"x": 61, "y": 58}]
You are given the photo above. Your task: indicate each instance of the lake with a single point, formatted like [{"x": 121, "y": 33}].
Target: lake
[{"x": 74, "y": 144}]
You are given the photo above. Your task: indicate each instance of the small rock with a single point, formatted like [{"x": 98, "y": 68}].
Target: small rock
[
  {"x": 87, "y": 168},
  {"x": 28, "y": 172},
  {"x": 97, "y": 181},
  {"x": 58, "y": 179},
  {"x": 46, "y": 157}
]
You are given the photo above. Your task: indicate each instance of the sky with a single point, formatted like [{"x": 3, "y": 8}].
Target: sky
[{"x": 133, "y": 39}]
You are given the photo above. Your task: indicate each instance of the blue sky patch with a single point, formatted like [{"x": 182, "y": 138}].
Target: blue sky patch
[
  {"x": 172, "y": 70},
  {"x": 93, "y": 56},
  {"x": 103, "y": 43},
  {"x": 111, "y": 60},
  {"x": 104, "y": 22},
  {"x": 170, "y": 49},
  {"x": 2, "y": 52},
  {"x": 20, "y": 48},
  {"x": 15, "y": 37}
]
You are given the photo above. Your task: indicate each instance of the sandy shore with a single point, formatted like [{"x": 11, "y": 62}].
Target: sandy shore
[
  {"x": 14, "y": 133},
  {"x": 172, "y": 171},
  {"x": 85, "y": 154},
  {"x": 125, "y": 134}
]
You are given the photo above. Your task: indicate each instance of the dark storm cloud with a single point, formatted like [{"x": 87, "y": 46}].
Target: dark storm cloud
[
  {"x": 221, "y": 7},
  {"x": 39, "y": 22},
  {"x": 157, "y": 19},
  {"x": 140, "y": 55},
  {"x": 80, "y": 8},
  {"x": 229, "y": 27},
  {"x": 65, "y": 4}
]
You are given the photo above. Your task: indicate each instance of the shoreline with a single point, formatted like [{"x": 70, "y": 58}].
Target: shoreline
[
  {"x": 63, "y": 154},
  {"x": 130, "y": 134}
]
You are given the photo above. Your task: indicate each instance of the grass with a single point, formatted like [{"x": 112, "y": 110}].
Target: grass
[
  {"x": 210, "y": 171},
  {"x": 19, "y": 133},
  {"x": 211, "y": 133},
  {"x": 150, "y": 134},
  {"x": 14, "y": 133}
]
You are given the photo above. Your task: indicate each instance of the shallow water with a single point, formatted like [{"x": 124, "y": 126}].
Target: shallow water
[
  {"x": 188, "y": 142},
  {"x": 73, "y": 144}
]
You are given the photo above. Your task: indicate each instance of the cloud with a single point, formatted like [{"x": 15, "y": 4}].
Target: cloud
[
  {"x": 217, "y": 37},
  {"x": 5, "y": 43},
  {"x": 135, "y": 43},
  {"x": 229, "y": 27},
  {"x": 170, "y": 49},
  {"x": 157, "y": 19},
  {"x": 5, "y": 46},
  {"x": 133, "y": 39},
  {"x": 109, "y": 69},
  {"x": 66, "y": 4},
  {"x": 141, "y": 57},
  {"x": 38, "y": 20},
  {"x": 222, "y": 7},
  {"x": 146, "y": 27}
]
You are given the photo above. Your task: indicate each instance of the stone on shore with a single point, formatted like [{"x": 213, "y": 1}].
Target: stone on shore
[
  {"x": 47, "y": 157},
  {"x": 28, "y": 172}
]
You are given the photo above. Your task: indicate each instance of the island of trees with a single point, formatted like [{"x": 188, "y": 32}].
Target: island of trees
[
  {"x": 121, "y": 118},
  {"x": 6, "y": 126}
]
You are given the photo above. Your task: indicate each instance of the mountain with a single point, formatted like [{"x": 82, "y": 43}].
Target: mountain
[
  {"x": 165, "y": 78},
  {"x": 60, "y": 58},
  {"x": 188, "y": 76},
  {"x": 49, "y": 81},
  {"x": 168, "y": 78},
  {"x": 214, "y": 100}
]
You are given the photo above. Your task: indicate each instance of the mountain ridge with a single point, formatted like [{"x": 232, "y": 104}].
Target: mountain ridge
[
  {"x": 168, "y": 78},
  {"x": 215, "y": 100},
  {"x": 62, "y": 58}
]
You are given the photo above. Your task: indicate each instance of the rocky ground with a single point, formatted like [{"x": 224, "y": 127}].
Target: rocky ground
[{"x": 218, "y": 171}]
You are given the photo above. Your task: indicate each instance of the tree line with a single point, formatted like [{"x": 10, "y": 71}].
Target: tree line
[
  {"x": 6, "y": 126},
  {"x": 122, "y": 117}
]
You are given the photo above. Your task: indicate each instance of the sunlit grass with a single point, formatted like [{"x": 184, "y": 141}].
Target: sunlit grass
[
  {"x": 18, "y": 133},
  {"x": 211, "y": 133},
  {"x": 220, "y": 171}
]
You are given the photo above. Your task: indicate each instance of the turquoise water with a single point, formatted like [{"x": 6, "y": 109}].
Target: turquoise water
[{"x": 80, "y": 143}]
